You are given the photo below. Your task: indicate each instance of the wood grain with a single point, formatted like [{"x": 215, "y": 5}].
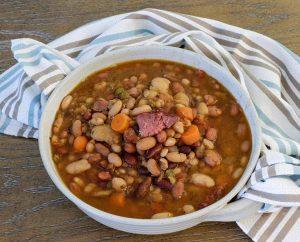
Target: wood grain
[{"x": 31, "y": 208}]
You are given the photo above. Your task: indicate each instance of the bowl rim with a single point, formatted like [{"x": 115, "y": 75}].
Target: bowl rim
[{"x": 43, "y": 140}]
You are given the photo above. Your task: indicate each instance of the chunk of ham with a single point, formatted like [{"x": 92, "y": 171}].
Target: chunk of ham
[{"x": 154, "y": 122}]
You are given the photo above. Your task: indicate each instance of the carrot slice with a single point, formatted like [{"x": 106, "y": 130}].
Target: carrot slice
[
  {"x": 80, "y": 143},
  {"x": 117, "y": 199},
  {"x": 185, "y": 112},
  {"x": 191, "y": 135},
  {"x": 120, "y": 123}
]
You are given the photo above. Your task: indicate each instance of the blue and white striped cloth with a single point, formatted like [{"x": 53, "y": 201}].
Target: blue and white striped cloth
[{"x": 265, "y": 68}]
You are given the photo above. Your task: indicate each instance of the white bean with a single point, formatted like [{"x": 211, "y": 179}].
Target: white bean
[
  {"x": 119, "y": 184},
  {"x": 176, "y": 157},
  {"x": 76, "y": 128},
  {"x": 141, "y": 109},
  {"x": 164, "y": 152},
  {"x": 170, "y": 141},
  {"x": 114, "y": 159},
  {"x": 160, "y": 84},
  {"x": 188, "y": 208},
  {"x": 162, "y": 215},
  {"x": 116, "y": 148},
  {"x": 202, "y": 180},
  {"x": 178, "y": 127},
  {"x": 66, "y": 102},
  {"x": 202, "y": 108},
  {"x": 115, "y": 108},
  {"x": 153, "y": 167},
  {"x": 78, "y": 167},
  {"x": 237, "y": 173}
]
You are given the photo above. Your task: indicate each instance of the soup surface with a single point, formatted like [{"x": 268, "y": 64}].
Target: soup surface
[{"x": 150, "y": 139}]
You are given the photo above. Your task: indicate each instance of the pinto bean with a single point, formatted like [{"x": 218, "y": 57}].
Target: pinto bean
[
  {"x": 178, "y": 127},
  {"x": 66, "y": 102},
  {"x": 212, "y": 158},
  {"x": 144, "y": 187},
  {"x": 78, "y": 167},
  {"x": 153, "y": 167},
  {"x": 212, "y": 134},
  {"x": 234, "y": 109},
  {"x": 114, "y": 159},
  {"x": 245, "y": 146},
  {"x": 214, "y": 111},
  {"x": 163, "y": 184},
  {"x": 102, "y": 149},
  {"x": 146, "y": 143},
  {"x": 129, "y": 148},
  {"x": 178, "y": 189},
  {"x": 161, "y": 136},
  {"x": 104, "y": 176},
  {"x": 93, "y": 158},
  {"x": 130, "y": 136},
  {"x": 57, "y": 125},
  {"x": 75, "y": 188},
  {"x": 130, "y": 159},
  {"x": 162, "y": 215},
  {"x": 202, "y": 180},
  {"x": 100, "y": 105},
  {"x": 153, "y": 151},
  {"x": 119, "y": 184},
  {"x": 164, "y": 152},
  {"x": 210, "y": 99},
  {"x": 177, "y": 87},
  {"x": 141, "y": 109},
  {"x": 116, "y": 148},
  {"x": 115, "y": 108},
  {"x": 241, "y": 129}
]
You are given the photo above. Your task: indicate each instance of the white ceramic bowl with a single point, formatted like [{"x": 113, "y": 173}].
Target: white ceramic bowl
[{"x": 221, "y": 210}]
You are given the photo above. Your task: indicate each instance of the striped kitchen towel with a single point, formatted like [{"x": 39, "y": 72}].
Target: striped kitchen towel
[{"x": 266, "y": 69}]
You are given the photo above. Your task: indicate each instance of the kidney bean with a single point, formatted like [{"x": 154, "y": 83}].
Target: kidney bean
[
  {"x": 102, "y": 149},
  {"x": 172, "y": 165},
  {"x": 161, "y": 136},
  {"x": 163, "y": 184},
  {"x": 62, "y": 150},
  {"x": 178, "y": 189},
  {"x": 130, "y": 136},
  {"x": 100, "y": 105},
  {"x": 212, "y": 158},
  {"x": 104, "y": 176},
  {"x": 144, "y": 187},
  {"x": 185, "y": 149},
  {"x": 103, "y": 163},
  {"x": 130, "y": 159},
  {"x": 153, "y": 151},
  {"x": 95, "y": 157},
  {"x": 87, "y": 115},
  {"x": 143, "y": 171},
  {"x": 212, "y": 134}
]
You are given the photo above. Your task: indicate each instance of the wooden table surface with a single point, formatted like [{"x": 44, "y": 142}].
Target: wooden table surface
[{"x": 31, "y": 208}]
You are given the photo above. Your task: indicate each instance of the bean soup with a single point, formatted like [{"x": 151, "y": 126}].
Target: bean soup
[{"x": 150, "y": 139}]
